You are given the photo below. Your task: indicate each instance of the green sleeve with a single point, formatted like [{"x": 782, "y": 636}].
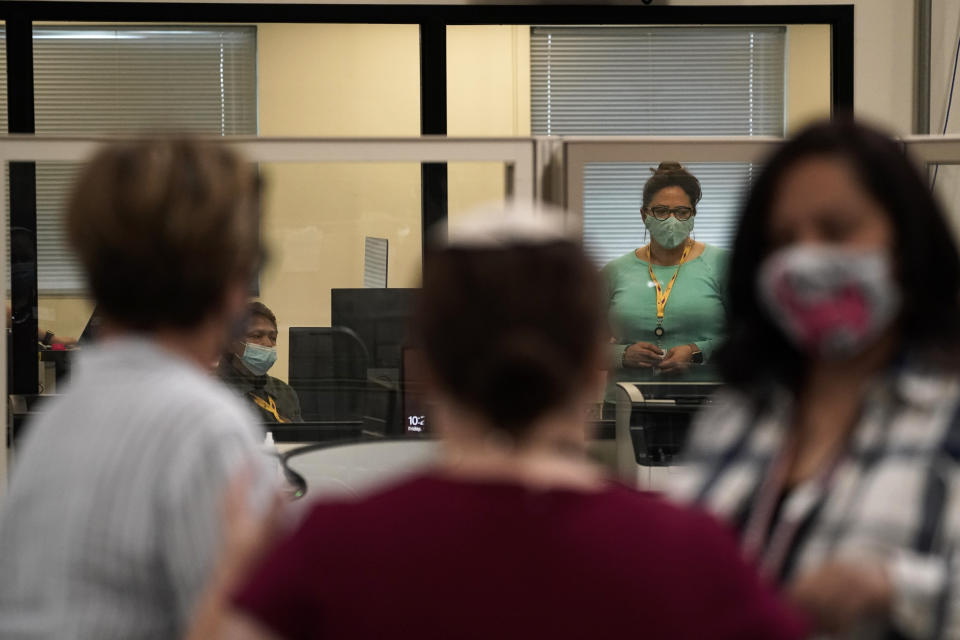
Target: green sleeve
[{"x": 707, "y": 347}]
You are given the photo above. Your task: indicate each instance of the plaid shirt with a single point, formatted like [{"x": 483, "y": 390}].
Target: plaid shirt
[{"x": 894, "y": 496}]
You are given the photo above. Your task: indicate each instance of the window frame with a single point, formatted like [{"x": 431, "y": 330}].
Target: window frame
[{"x": 19, "y": 15}]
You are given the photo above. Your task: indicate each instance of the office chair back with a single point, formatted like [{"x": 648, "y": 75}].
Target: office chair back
[{"x": 328, "y": 370}]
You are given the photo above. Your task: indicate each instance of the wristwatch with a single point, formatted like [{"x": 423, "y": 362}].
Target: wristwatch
[
  {"x": 47, "y": 338},
  {"x": 697, "y": 356}
]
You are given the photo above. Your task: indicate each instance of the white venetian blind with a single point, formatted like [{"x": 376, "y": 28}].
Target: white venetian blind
[
  {"x": 4, "y": 172},
  {"x": 375, "y": 252},
  {"x": 131, "y": 80},
  {"x": 667, "y": 81},
  {"x": 3, "y": 81}
]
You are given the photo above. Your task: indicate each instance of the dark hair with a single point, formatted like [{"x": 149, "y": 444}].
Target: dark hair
[
  {"x": 162, "y": 227},
  {"x": 929, "y": 271},
  {"x": 671, "y": 174},
  {"x": 511, "y": 333},
  {"x": 257, "y": 308}
]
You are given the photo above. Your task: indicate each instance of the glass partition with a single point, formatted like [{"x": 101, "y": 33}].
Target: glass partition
[
  {"x": 605, "y": 182},
  {"x": 334, "y": 224},
  {"x": 939, "y": 157},
  {"x": 343, "y": 229},
  {"x": 665, "y": 271}
]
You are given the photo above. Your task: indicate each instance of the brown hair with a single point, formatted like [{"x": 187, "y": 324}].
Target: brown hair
[
  {"x": 671, "y": 174},
  {"x": 257, "y": 308},
  {"x": 511, "y": 332},
  {"x": 162, "y": 227}
]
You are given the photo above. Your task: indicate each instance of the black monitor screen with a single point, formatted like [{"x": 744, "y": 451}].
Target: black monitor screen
[
  {"x": 328, "y": 370},
  {"x": 379, "y": 317},
  {"x": 415, "y": 407}
]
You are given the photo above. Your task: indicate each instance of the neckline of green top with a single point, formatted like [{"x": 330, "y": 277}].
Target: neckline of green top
[{"x": 706, "y": 248}]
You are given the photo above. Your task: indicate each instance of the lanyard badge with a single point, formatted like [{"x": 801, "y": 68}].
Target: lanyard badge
[{"x": 663, "y": 296}]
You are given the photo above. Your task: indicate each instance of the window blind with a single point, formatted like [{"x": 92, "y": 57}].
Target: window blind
[
  {"x": 3, "y": 80},
  {"x": 657, "y": 81},
  {"x": 375, "y": 252},
  {"x": 131, "y": 81}
]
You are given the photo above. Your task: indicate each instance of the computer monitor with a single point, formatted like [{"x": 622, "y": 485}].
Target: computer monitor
[
  {"x": 380, "y": 318},
  {"x": 414, "y": 409},
  {"x": 91, "y": 329}
]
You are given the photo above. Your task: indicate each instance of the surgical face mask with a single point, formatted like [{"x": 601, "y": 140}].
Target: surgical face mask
[
  {"x": 832, "y": 303},
  {"x": 257, "y": 358},
  {"x": 669, "y": 233}
]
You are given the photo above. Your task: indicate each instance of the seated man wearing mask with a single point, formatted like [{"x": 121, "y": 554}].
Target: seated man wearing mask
[{"x": 245, "y": 368}]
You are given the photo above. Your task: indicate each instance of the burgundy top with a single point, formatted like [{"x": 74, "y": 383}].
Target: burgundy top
[{"x": 439, "y": 558}]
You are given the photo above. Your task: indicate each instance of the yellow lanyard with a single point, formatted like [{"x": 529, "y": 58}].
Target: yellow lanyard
[
  {"x": 663, "y": 296},
  {"x": 269, "y": 407}
]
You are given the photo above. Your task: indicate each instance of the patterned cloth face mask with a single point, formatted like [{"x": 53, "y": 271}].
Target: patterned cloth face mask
[{"x": 830, "y": 302}]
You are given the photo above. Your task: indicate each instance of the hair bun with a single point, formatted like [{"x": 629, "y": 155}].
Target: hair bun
[
  {"x": 669, "y": 166},
  {"x": 520, "y": 378}
]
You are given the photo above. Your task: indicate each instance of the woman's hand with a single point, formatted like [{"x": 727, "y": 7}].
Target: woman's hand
[
  {"x": 642, "y": 354},
  {"x": 840, "y": 593},
  {"x": 678, "y": 358}
]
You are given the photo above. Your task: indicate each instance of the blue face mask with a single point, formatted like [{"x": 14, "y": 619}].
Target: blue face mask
[
  {"x": 258, "y": 359},
  {"x": 669, "y": 233}
]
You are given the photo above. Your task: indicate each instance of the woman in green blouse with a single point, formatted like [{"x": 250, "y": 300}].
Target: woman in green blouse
[{"x": 666, "y": 298}]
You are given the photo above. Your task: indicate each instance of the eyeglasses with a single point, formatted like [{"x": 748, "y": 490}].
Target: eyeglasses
[{"x": 662, "y": 213}]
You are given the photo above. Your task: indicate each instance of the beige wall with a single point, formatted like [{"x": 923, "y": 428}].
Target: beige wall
[
  {"x": 808, "y": 74},
  {"x": 883, "y": 63},
  {"x": 64, "y": 315},
  {"x": 336, "y": 80},
  {"x": 488, "y": 94}
]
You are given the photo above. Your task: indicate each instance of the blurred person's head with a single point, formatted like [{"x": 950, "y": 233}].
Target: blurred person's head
[
  {"x": 167, "y": 232},
  {"x": 841, "y": 251},
  {"x": 670, "y": 198},
  {"x": 256, "y": 349},
  {"x": 510, "y": 322}
]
